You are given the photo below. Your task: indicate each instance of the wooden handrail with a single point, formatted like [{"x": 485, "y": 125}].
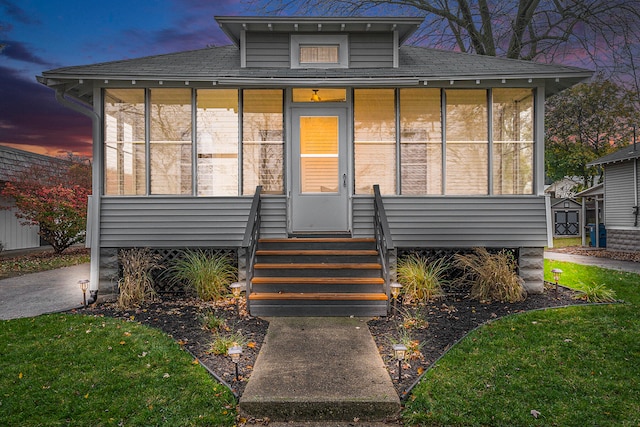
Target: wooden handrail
[
  {"x": 251, "y": 237},
  {"x": 384, "y": 240}
]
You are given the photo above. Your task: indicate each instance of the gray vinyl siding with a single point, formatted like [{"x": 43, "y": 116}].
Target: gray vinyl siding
[
  {"x": 268, "y": 50},
  {"x": 619, "y": 192},
  {"x": 457, "y": 222},
  {"x": 162, "y": 222},
  {"x": 371, "y": 50}
]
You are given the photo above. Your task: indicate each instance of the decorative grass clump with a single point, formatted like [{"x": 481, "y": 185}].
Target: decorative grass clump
[
  {"x": 208, "y": 275},
  {"x": 421, "y": 281},
  {"x": 493, "y": 276},
  {"x": 222, "y": 342},
  {"x": 136, "y": 284},
  {"x": 595, "y": 293}
]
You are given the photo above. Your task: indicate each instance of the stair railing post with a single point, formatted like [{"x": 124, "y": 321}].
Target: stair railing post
[
  {"x": 384, "y": 242},
  {"x": 250, "y": 241}
]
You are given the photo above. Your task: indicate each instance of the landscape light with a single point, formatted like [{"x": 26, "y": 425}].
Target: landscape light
[
  {"x": 84, "y": 285},
  {"x": 234, "y": 352},
  {"x": 399, "y": 350},
  {"x": 556, "y": 277}
]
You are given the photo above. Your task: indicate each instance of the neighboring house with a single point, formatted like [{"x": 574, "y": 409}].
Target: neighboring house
[
  {"x": 13, "y": 234},
  {"x": 564, "y": 188},
  {"x": 621, "y": 192},
  {"x": 566, "y": 215},
  {"x": 316, "y": 111}
]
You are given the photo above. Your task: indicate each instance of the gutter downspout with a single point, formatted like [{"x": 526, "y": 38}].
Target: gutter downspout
[{"x": 93, "y": 224}]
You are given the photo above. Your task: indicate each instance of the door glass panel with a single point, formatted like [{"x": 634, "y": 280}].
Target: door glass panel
[{"x": 319, "y": 154}]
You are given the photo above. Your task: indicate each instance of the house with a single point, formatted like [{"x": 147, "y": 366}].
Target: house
[
  {"x": 13, "y": 234},
  {"x": 316, "y": 112},
  {"x": 621, "y": 191}
]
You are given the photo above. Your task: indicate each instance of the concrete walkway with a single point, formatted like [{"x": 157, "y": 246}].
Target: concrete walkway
[
  {"x": 629, "y": 266},
  {"x": 45, "y": 292},
  {"x": 321, "y": 369}
]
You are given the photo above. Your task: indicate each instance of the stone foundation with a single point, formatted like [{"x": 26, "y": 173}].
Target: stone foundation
[
  {"x": 109, "y": 267},
  {"x": 531, "y": 269},
  {"x": 623, "y": 240}
]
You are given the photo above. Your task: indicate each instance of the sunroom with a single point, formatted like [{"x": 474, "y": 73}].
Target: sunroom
[{"x": 328, "y": 125}]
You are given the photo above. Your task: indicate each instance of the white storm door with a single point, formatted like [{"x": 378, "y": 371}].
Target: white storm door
[{"x": 319, "y": 193}]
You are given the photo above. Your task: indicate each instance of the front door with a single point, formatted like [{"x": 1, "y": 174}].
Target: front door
[{"x": 319, "y": 185}]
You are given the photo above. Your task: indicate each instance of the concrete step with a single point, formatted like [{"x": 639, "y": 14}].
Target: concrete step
[{"x": 319, "y": 369}]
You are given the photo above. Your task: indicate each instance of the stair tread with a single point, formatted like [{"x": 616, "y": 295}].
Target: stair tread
[
  {"x": 319, "y": 280},
  {"x": 319, "y": 240},
  {"x": 329, "y": 266},
  {"x": 322, "y": 252},
  {"x": 320, "y": 296}
]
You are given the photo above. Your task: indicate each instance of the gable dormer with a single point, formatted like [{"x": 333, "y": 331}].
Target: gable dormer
[{"x": 318, "y": 42}]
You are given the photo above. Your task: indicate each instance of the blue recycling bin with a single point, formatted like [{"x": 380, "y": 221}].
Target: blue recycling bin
[{"x": 602, "y": 235}]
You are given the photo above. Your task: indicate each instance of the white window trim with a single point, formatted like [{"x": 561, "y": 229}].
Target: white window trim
[{"x": 341, "y": 40}]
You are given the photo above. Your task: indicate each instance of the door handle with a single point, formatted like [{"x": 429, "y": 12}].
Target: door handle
[{"x": 344, "y": 180}]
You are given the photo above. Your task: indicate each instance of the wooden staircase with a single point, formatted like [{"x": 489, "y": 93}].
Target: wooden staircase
[{"x": 317, "y": 277}]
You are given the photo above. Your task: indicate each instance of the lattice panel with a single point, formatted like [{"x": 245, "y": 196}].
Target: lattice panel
[
  {"x": 162, "y": 283},
  {"x": 433, "y": 254}
]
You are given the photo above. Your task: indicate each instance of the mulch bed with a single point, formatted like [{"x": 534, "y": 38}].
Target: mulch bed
[{"x": 449, "y": 319}]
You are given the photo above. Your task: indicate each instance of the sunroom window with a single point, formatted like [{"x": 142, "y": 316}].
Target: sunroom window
[
  {"x": 124, "y": 142},
  {"x": 217, "y": 137},
  {"x": 467, "y": 142},
  {"x": 512, "y": 141},
  {"x": 262, "y": 141},
  {"x": 170, "y": 141},
  {"x": 375, "y": 140}
]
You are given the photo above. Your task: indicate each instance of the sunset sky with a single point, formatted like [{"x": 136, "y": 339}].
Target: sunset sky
[{"x": 41, "y": 35}]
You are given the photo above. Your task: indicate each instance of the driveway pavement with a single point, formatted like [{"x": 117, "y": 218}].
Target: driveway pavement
[
  {"x": 44, "y": 292},
  {"x": 629, "y": 266}
]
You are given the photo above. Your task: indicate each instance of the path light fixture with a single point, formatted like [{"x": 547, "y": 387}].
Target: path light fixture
[
  {"x": 84, "y": 285},
  {"x": 399, "y": 350},
  {"x": 395, "y": 293},
  {"x": 236, "y": 288},
  {"x": 556, "y": 277},
  {"x": 234, "y": 352}
]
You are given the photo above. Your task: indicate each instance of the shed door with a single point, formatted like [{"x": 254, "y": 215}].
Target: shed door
[{"x": 319, "y": 196}]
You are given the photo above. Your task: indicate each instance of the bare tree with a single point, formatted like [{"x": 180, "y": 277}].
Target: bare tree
[{"x": 582, "y": 32}]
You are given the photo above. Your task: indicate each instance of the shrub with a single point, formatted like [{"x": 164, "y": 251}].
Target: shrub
[
  {"x": 421, "y": 281},
  {"x": 493, "y": 276},
  {"x": 414, "y": 347},
  {"x": 213, "y": 323},
  {"x": 208, "y": 275},
  {"x": 595, "y": 293},
  {"x": 414, "y": 319},
  {"x": 136, "y": 284},
  {"x": 221, "y": 343}
]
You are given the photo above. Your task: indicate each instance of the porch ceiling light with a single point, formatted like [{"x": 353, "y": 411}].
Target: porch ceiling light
[
  {"x": 236, "y": 288},
  {"x": 315, "y": 97}
]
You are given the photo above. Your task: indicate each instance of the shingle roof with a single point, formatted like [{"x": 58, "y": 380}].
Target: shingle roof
[
  {"x": 224, "y": 62},
  {"x": 625, "y": 153},
  {"x": 14, "y": 161}
]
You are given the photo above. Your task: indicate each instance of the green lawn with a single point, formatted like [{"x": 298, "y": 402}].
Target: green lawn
[
  {"x": 573, "y": 366},
  {"x": 42, "y": 261},
  {"x": 89, "y": 371}
]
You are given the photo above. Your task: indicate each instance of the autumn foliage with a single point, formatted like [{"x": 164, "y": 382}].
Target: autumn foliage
[{"x": 55, "y": 199}]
